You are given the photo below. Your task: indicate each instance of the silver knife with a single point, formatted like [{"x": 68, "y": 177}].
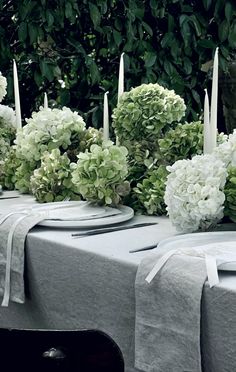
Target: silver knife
[
  {"x": 149, "y": 247},
  {"x": 111, "y": 229}
]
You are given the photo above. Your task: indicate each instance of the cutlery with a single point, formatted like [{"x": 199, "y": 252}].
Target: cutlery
[
  {"x": 149, "y": 247},
  {"x": 111, "y": 229},
  {"x": 9, "y": 197}
]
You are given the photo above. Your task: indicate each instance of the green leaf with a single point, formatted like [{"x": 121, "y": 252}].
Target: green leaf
[
  {"x": 117, "y": 37},
  {"x": 33, "y": 33},
  {"x": 228, "y": 11},
  {"x": 169, "y": 68},
  {"x": 196, "y": 96},
  {"x": 64, "y": 97},
  {"x": 171, "y": 23},
  {"x": 38, "y": 78},
  {"x": 223, "y": 30},
  {"x": 197, "y": 25},
  {"x": 22, "y": 31},
  {"x": 147, "y": 28},
  {"x": 206, "y": 43},
  {"x": 50, "y": 18},
  {"x": 154, "y": 4},
  {"x": 47, "y": 70},
  {"x": 94, "y": 14},
  {"x": 187, "y": 66},
  {"x": 150, "y": 59},
  {"x": 167, "y": 40},
  {"x": 207, "y": 4},
  {"x": 68, "y": 10},
  {"x": 232, "y": 36},
  {"x": 94, "y": 72},
  {"x": 218, "y": 7}
]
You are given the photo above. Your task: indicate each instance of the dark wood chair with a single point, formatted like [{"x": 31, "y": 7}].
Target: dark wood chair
[{"x": 59, "y": 351}]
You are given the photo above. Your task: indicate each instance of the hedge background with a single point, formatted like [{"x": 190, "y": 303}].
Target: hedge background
[{"x": 71, "y": 49}]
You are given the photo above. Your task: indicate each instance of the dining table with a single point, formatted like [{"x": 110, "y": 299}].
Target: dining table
[{"x": 89, "y": 283}]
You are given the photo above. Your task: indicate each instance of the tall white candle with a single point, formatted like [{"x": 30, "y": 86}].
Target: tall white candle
[
  {"x": 17, "y": 96},
  {"x": 207, "y": 138},
  {"x": 121, "y": 77},
  {"x": 105, "y": 118},
  {"x": 214, "y": 99},
  {"x": 120, "y": 84},
  {"x": 45, "y": 101}
]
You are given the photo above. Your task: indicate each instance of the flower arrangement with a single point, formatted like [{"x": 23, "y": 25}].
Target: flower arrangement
[
  {"x": 182, "y": 142},
  {"x": 146, "y": 111},
  {"x": 150, "y": 192},
  {"x": 46, "y": 130},
  {"x": 3, "y": 87},
  {"x": 230, "y": 194},
  {"x": 99, "y": 175},
  {"x": 195, "y": 192},
  {"x": 7, "y": 122},
  {"x": 52, "y": 180}
]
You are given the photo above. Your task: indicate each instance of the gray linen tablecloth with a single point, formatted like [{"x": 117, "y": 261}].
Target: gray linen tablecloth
[{"x": 90, "y": 283}]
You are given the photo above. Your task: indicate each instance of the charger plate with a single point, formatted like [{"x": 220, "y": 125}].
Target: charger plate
[
  {"x": 124, "y": 213},
  {"x": 219, "y": 239}
]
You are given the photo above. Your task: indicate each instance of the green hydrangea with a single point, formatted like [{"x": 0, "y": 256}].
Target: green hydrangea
[
  {"x": 100, "y": 173},
  {"x": 230, "y": 194},
  {"x": 87, "y": 138},
  {"x": 23, "y": 174},
  {"x": 182, "y": 142},
  {"x": 7, "y": 130},
  {"x": 8, "y": 170},
  {"x": 52, "y": 180},
  {"x": 146, "y": 111},
  {"x": 150, "y": 192},
  {"x": 47, "y": 130}
]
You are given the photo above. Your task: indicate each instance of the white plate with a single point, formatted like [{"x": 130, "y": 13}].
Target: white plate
[
  {"x": 126, "y": 213},
  {"x": 198, "y": 240}
]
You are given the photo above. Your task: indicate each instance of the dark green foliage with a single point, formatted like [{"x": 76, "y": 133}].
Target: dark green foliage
[{"x": 80, "y": 42}]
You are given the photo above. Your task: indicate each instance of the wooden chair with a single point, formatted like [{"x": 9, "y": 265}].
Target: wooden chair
[{"x": 59, "y": 351}]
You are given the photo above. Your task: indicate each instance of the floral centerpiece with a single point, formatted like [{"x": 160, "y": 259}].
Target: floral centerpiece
[
  {"x": 7, "y": 124},
  {"x": 7, "y": 121},
  {"x": 200, "y": 191},
  {"x": 100, "y": 173},
  {"x": 45, "y": 131}
]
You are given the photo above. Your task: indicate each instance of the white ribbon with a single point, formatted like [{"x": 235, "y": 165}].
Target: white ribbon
[
  {"x": 212, "y": 272},
  {"x": 210, "y": 261},
  {"x": 160, "y": 263}
]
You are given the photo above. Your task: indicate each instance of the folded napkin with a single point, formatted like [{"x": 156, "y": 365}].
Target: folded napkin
[
  {"x": 167, "y": 329},
  {"x": 13, "y": 232},
  {"x": 168, "y": 305}
]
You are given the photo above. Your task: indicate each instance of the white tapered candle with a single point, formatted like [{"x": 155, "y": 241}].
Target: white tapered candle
[
  {"x": 214, "y": 99},
  {"x": 17, "y": 96},
  {"x": 121, "y": 77},
  {"x": 207, "y": 138},
  {"x": 45, "y": 101},
  {"x": 105, "y": 118}
]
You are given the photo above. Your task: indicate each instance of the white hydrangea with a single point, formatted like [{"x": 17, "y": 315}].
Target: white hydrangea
[
  {"x": 7, "y": 117},
  {"x": 46, "y": 130},
  {"x": 194, "y": 192},
  {"x": 226, "y": 151},
  {"x": 3, "y": 87}
]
